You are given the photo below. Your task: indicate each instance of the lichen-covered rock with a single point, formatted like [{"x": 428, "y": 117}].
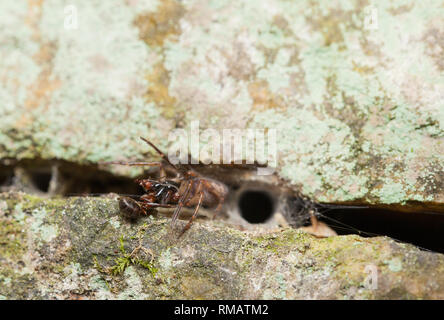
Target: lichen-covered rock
[
  {"x": 354, "y": 91},
  {"x": 80, "y": 248}
]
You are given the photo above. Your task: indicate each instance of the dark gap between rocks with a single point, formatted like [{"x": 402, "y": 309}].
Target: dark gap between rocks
[
  {"x": 39, "y": 176},
  {"x": 423, "y": 229},
  {"x": 63, "y": 179}
]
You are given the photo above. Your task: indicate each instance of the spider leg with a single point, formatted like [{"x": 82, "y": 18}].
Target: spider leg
[
  {"x": 181, "y": 203},
  {"x": 162, "y": 174},
  {"x": 194, "y": 214},
  {"x": 221, "y": 200},
  {"x": 159, "y": 152},
  {"x": 318, "y": 228},
  {"x": 219, "y": 205},
  {"x": 134, "y": 163},
  {"x": 313, "y": 219}
]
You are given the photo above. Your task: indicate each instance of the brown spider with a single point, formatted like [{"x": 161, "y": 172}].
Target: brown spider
[{"x": 187, "y": 189}]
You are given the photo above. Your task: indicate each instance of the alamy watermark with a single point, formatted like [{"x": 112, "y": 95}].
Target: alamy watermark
[
  {"x": 226, "y": 146},
  {"x": 371, "y": 18},
  {"x": 71, "y": 21},
  {"x": 371, "y": 281}
]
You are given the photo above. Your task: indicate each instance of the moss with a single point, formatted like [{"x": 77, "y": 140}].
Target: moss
[
  {"x": 122, "y": 262},
  {"x": 21, "y": 286},
  {"x": 28, "y": 202},
  {"x": 12, "y": 239}
]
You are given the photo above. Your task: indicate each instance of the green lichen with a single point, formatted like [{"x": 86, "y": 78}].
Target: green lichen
[
  {"x": 101, "y": 287},
  {"x": 115, "y": 222},
  {"x": 46, "y": 232},
  {"x": 18, "y": 214},
  {"x": 394, "y": 264},
  {"x": 134, "y": 288}
]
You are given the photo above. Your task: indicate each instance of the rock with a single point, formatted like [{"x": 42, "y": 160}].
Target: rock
[
  {"x": 355, "y": 92},
  {"x": 81, "y": 248}
]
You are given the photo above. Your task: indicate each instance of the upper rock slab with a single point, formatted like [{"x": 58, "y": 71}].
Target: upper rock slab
[{"x": 355, "y": 92}]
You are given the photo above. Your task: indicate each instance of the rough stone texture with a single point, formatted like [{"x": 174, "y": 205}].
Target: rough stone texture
[
  {"x": 66, "y": 249},
  {"x": 359, "y": 107}
]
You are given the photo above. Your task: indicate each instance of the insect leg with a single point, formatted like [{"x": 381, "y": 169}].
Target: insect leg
[
  {"x": 194, "y": 214},
  {"x": 157, "y": 205},
  {"x": 181, "y": 203},
  {"x": 166, "y": 197},
  {"x": 159, "y": 193}
]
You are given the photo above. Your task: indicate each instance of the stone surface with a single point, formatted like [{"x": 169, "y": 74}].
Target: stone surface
[
  {"x": 355, "y": 91},
  {"x": 80, "y": 248}
]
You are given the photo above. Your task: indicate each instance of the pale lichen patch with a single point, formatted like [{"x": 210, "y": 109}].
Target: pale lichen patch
[
  {"x": 134, "y": 288},
  {"x": 40, "y": 226},
  {"x": 394, "y": 264}
]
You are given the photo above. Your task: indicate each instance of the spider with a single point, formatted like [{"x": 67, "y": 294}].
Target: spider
[{"x": 187, "y": 189}]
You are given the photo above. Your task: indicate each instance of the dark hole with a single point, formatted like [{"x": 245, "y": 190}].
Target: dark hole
[
  {"x": 422, "y": 229},
  {"x": 41, "y": 180},
  {"x": 5, "y": 179},
  {"x": 256, "y": 206},
  {"x": 99, "y": 182}
]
